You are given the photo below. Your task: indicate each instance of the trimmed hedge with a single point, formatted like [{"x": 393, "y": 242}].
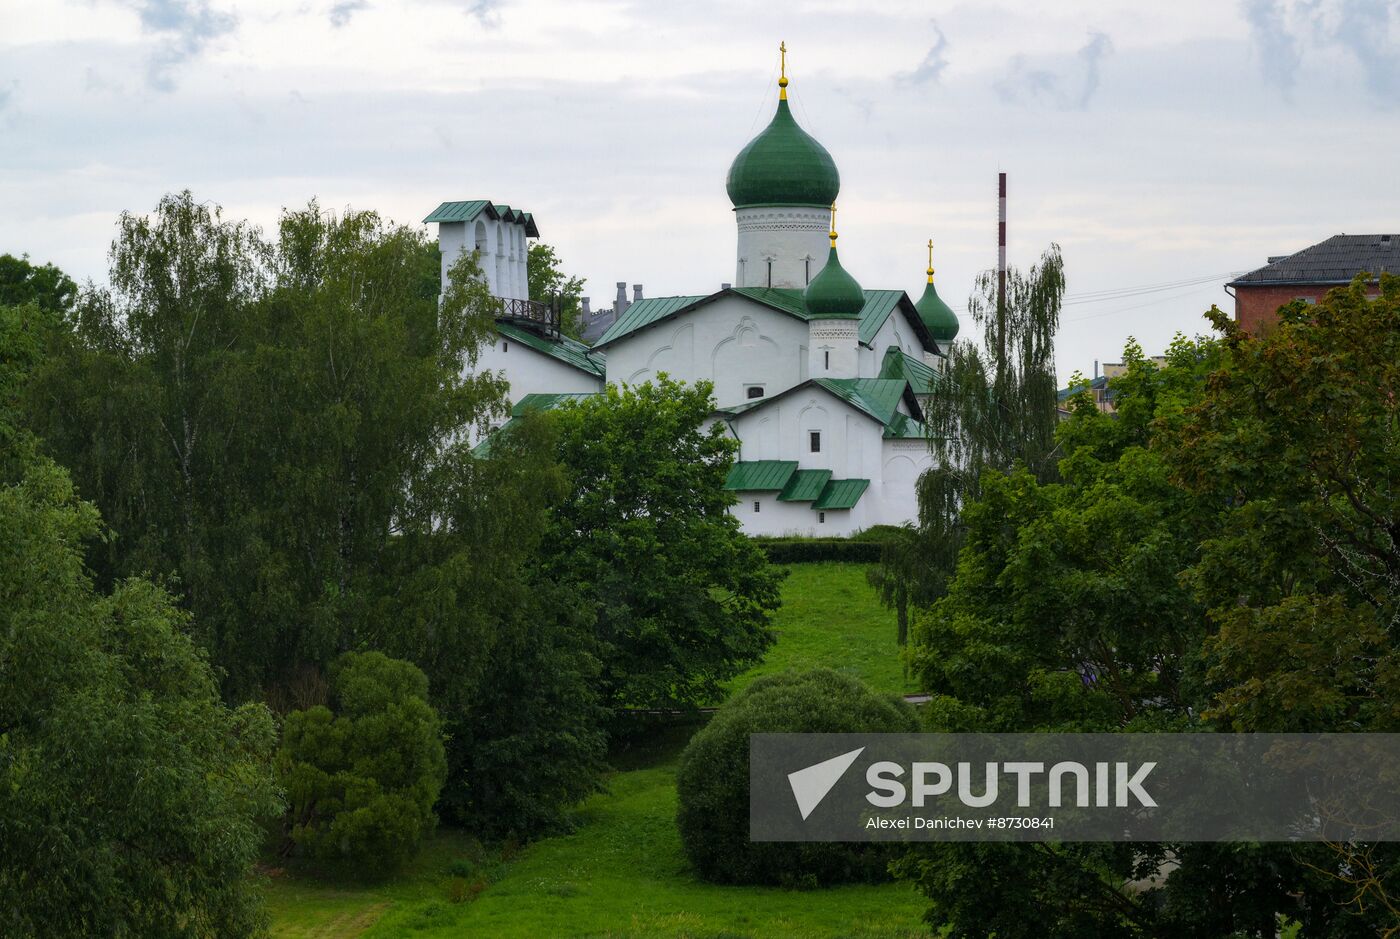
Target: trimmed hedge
[
  {"x": 712, "y": 783},
  {"x": 804, "y": 550}
]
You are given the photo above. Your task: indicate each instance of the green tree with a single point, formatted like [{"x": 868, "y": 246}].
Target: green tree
[
  {"x": 260, "y": 421},
  {"x": 363, "y": 773},
  {"x": 549, "y": 284},
  {"x": 510, "y": 649},
  {"x": 1299, "y": 440},
  {"x": 23, "y": 282},
  {"x": 681, "y": 597},
  {"x": 133, "y": 798},
  {"x": 1070, "y": 611},
  {"x": 277, "y": 427},
  {"x": 995, "y": 407}
]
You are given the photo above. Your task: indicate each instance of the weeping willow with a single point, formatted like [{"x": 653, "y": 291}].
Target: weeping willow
[{"x": 994, "y": 408}]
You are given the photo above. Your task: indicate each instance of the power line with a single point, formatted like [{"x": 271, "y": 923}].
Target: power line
[{"x": 1124, "y": 293}]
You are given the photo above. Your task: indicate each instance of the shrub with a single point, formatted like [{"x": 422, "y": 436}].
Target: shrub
[
  {"x": 361, "y": 780},
  {"x": 713, "y": 781},
  {"x": 807, "y": 550}
]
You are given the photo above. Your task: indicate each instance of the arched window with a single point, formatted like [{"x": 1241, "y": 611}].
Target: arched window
[
  {"x": 770, "y": 272},
  {"x": 807, "y": 270}
]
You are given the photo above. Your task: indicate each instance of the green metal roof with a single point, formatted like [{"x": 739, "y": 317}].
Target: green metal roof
[
  {"x": 566, "y": 350},
  {"x": 833, "y": 293},
  {"x": 760, "y": 475},
  {"x": 804, "y": 486},
  {"x": 841, "y": 493},
  {"x": 461, "y": 211},
  {"x": 781, "y": 299},
  {"x": 546, "y": 402},
  {"x": 920, "y": 377},
  {"x": 878, "y": 397},
  {"x": 904, "y": 427},
  {"x": 879, "y": 304},
  {"x": 783, "y": 165},
  {"x": 938, "y": 317},
  {"x": 644, "y": 313},
  {"x": 466, "y": 210}
]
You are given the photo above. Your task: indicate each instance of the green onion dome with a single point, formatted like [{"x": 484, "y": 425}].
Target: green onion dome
[
  {"x": 784, "y": 165},
  {"x": 833, "y": 293},
  {"x": 938, "y": 317}
]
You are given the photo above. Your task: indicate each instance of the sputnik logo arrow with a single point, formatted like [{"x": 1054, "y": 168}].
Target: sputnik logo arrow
[{"x": 810, "y": 785}]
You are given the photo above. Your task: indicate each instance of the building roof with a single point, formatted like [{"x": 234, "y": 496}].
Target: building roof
[
  {"x": 878, "y": 397},
  {"x": 467, "y": 210},
  {"x": 546, "y": 401},
  {"x": 805, "y": 486},
  {"x": 904, "y": 427},
  {"x": 841, "y": 494},
  {"x": 569, "y": 351},
  {"x": 645, "y": 313},
  {"x": 879, "y": 305},
  {"x": 938, "y": 317},
  {"x": 783, "y": 165},
  {"x": 833, "y": 293},
  {"x": 795, "y": 485},
  {"x": 1097, "y": 383},
  {"x": 1334, "y": 261},
  {"x": 920, "y": 377},
  {"x": 760, "y": 475}
]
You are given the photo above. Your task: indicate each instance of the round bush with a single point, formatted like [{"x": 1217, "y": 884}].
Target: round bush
[{"x": 713, "y": 782}]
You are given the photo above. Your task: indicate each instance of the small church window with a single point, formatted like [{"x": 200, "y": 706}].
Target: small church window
[
  {"x": 757, "y": 506},
  {"x": 505, "y": 346},
  {"x": 755, "y": 391},
  {"x": 815, "y": 439},
  {"x": 770, "y": 272},
  {"x": 821, "y": 517},
  {"x": 807, "y": 270},
  {"x": 826, "y": 359}
]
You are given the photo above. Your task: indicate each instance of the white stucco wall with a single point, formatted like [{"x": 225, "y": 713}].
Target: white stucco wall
[
  {"x": 504, "y": 250},
  {"x": 852, "y": 447},
  {"x": 850, "y": 440},
  {"x": 529, "y": 372},
  {"x": 832, "y": 348},
  {"x": 902, "y": 462},
  {"x": 532, "y": 372},
  {"x": 793, "y": 238},
  {"x": 733, "y": 342}
]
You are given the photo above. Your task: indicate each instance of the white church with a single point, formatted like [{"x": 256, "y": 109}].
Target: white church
[{"x": 820, "y": 381}]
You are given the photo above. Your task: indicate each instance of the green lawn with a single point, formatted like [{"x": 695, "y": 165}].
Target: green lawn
[
  {"x": 831, "y": 617},
  {"x": 622, "y": 873}
]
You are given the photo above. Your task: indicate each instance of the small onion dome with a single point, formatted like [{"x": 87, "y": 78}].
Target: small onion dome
[
  {"x": 833, "y": 293},
  {"x": 938, "y": 317},
  {"x": 783, "y": 165}
]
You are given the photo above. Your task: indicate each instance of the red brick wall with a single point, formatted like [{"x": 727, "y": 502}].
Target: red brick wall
[{"x": 1257, "y": 307}]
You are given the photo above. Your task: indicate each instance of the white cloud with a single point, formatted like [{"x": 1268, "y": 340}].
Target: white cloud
[{"x": 615, "y": 121}]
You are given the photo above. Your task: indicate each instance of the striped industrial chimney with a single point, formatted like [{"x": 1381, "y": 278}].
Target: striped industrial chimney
[{"x": 1001, "y": 241}]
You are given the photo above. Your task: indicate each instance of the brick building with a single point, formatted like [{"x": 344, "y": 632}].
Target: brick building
[{"x": 1310, "y": 273}]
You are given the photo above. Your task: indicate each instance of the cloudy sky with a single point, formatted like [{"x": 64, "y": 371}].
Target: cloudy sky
[{"x": 1158, "y": 144}]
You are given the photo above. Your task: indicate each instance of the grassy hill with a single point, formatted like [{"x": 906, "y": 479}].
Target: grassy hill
[{"x": 622, "y": 872}]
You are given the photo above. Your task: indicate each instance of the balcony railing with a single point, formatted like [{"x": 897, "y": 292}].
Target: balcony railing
[{"x": 543, "y": 317}]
